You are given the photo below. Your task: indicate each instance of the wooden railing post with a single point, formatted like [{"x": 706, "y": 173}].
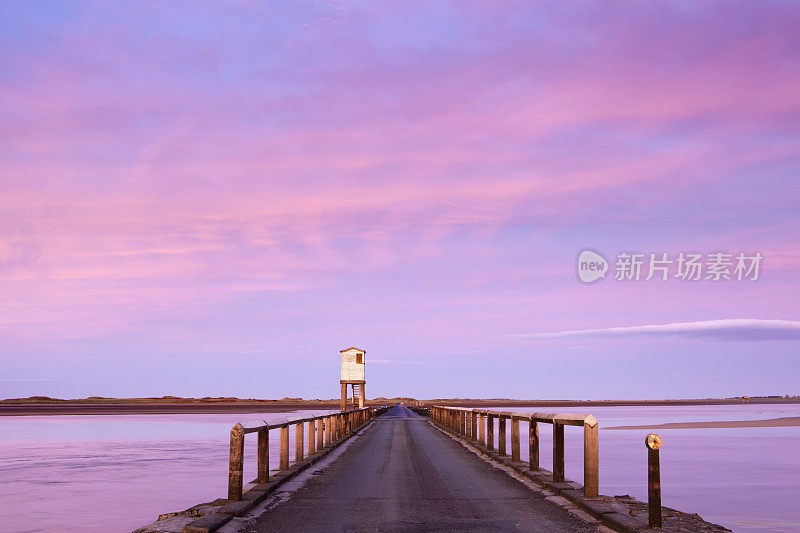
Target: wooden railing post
[
  {"x": 653, "y": 443},
  {"x": 328, "y": 424},
  {"x": 514, "y": 439},
  {"x": 284, "y": 451},
  {"x": 533, "y": 444},
  {"x": 474, "y": 425},
  {"x": 501, "y": 435},
  {"x": 558, "y": 452},
  {"x": 591, "y": 458},
  {"x": 298, "y": 441},
  {"x": 263, "y": 455},
  {"x": 311, "y": 438},
  {"x": 236, "y": 464},
  {"x": 320, "y": 433},
  {"x": 490, "y": 431},
  {"x": 482, "y": 428}
]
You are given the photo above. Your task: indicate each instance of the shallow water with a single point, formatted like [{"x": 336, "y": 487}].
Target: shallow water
[{"x": 116, "y": 473}]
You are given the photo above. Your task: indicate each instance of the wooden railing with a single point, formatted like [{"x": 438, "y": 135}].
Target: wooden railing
[
  {"x": 323, "y": 431},
  {"x": 477, "y": 425}
]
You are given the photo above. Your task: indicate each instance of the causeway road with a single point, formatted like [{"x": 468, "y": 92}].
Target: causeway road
[{"x": 402, "y": 474}]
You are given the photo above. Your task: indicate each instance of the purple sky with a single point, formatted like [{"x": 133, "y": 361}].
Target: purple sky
[{"x": 212, "y": 199}]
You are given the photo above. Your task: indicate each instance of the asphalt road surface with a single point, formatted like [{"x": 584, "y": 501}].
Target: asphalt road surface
[{"x": 404, "y": 475}]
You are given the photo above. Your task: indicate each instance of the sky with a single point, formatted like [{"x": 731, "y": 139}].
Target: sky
[{"x": 214, "y": 198}]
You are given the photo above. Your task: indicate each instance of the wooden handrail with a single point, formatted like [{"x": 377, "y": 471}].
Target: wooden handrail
[
  {"x": 478, "y": 425},
  {"x": 337, "y": 425}
]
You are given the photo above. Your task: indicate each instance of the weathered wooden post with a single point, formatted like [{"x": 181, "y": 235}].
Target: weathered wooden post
[
  {"x": 533, "y": 444},
  {"x": 284, "y": 452},
  {"x": 514, "y": 439},
  {"x": 236, "y": 464},
  {"x": 474, "y": 425},
  {"x": 320, "y": 433},
  {"x": 311, "y": 438},
  {"x": 482, "y": 428},
  {"x": 298, "y": 441},
  {"x": 489, "y": 431},
  {"x": 468, "y": 424},
  {"x": 328, "y": 424},
  {"x": 501, "y": 435},
  {"x": 591, "y": 457},
  {"x": 653, "y": 443},
  {"x": 263, "y": 455},
  {"x": 558, "y": 451}
]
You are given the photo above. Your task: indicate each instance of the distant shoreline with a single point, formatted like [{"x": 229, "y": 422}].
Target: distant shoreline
[
  {"x": 173, "y": 405},
  {"x": 767, "y": 423}
]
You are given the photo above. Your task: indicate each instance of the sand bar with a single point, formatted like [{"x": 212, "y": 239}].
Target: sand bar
[{"x": 767, "y": 423}]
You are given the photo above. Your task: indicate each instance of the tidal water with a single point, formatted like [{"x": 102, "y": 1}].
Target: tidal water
[{"x": 116, "y": 473}]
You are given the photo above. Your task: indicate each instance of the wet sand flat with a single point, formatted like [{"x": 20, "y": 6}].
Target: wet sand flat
[
  {"x": 150, "y": 409},
  {"x": 767, "y": 423}
]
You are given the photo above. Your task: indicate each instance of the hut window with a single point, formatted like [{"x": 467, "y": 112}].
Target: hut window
[{"x": 360, "y": 359}]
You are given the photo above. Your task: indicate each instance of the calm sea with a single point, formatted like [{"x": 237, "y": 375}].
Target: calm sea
[{"x": 116, "y": 473}]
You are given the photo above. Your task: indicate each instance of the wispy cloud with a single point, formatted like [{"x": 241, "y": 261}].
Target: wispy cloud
[
  {"x": 749, "y": 329},
  {"x": 30, "y": 380},
  {"x": 395, "y": 362}
]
